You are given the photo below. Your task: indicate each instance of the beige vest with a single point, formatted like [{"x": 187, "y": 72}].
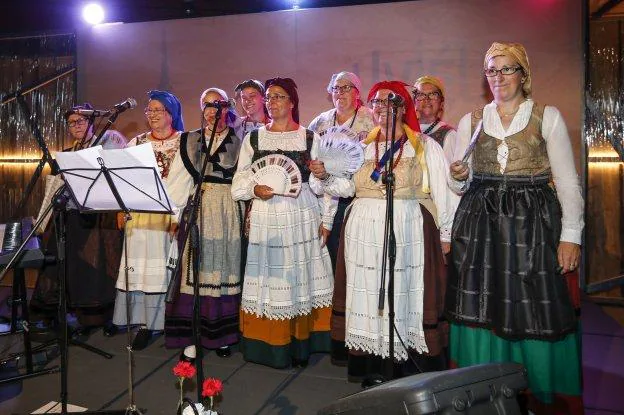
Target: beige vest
[
  {"x": 408, "y": 183},
  {"x": 527, "y": 149}
]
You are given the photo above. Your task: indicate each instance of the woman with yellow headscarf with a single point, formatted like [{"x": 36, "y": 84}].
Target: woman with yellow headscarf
[{"x": 511, "y": 294}]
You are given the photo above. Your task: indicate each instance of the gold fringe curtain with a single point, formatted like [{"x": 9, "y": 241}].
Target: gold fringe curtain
[{"x": 25, "y": 62}]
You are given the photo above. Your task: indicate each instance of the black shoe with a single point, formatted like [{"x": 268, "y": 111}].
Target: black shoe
[
  {"x": 299, "y": 363},
  {"x": 141, "y": 340},
  {"x": 223, "y": 351},
  {"x": 110, "y": 329},
  {"x": 371, "y": 381},
  {"x": 81, "y": 333}
]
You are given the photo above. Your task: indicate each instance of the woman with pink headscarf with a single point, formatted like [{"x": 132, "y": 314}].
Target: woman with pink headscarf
[
  {"x": 423, "y": 215},
  {"x": 511, "y": 293}
]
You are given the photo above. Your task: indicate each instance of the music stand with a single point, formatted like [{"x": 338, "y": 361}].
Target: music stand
[{"x": 133, "y": 185}]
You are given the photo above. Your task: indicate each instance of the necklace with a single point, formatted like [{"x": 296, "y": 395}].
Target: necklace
[
  {"x": 173, "y": 131},
  {"x": 509, "y": 114},
  {"x": 352, "y": 120},
  {"x": 398, "y": 158},
  {"x": 431, "y": 127}
]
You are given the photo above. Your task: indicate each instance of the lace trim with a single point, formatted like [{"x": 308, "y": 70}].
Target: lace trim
[
  {"x": 287, "y": 141},
  {"x": 415, "y": 341},
  {"x": 285, "y": 312}
]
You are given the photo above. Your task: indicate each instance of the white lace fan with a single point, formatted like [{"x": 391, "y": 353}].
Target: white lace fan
[
  {"x": 340, "y": 151},
  {"x": 278, "y": 172}
]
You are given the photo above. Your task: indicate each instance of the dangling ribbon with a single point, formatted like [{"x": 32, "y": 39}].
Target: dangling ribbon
[
  {"x": 376, "y": 174},
  {"x": 415, "y": 139}
]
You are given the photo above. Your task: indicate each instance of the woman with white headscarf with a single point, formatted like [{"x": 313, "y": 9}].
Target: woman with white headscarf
[
  {"x": 219, "y": 223},
  {"x": 511, "y": 293},
  {"x": 345, "y": 89}
]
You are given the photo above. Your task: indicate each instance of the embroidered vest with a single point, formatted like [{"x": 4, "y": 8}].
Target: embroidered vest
[
  {"x": 527, "y": 148},
  {"x": 440, "y": 134}
]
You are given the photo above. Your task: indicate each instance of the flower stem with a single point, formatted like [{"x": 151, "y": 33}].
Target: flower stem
[{"x": 181, "y": 393}]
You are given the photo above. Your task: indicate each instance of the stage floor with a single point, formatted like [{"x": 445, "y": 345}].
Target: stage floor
[{"x": 97, "y": 383}]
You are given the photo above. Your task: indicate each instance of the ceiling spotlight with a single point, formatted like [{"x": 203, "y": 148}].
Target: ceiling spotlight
[{"x": 93, "y": 13}]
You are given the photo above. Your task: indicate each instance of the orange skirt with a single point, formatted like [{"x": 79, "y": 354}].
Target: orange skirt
[{"x": 276, "y": 343}]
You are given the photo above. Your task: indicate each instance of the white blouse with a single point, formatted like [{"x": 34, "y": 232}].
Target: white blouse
[
  {"x": 445, "y": 200},
  {"x": 560, "y": 155},
  {"x": 243, "y": 183}
]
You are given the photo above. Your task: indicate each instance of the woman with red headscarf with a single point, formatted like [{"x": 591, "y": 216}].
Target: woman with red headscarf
[
  {"x": 288, "y": 283},
  {"x": 423, "y": 215}
]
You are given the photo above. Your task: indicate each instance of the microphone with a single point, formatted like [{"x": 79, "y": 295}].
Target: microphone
[
  {"x": 126, "y": 105},
  {"x": 395, "y": 99},
  {"x": 92, "y": 113},
  {"x": 118, "y": 108},
  {"x": 230, "y": 103}
]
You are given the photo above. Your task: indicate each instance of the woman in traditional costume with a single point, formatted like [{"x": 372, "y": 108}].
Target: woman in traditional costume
[
  {"x": 429, "y": 100},
  {"x": 148, "y": 234},
  {"x": 219, "y": 224},
  {"x": 516, "y": 238},
  {"x": 424, "y": 207},
  {"x": 92, "y": 246},
  {"x": 288, "y": 283},
  {"x": 345, "y": 89}
]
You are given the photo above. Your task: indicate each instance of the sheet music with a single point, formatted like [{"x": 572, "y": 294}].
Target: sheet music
[{"x": 134, "y": 172}]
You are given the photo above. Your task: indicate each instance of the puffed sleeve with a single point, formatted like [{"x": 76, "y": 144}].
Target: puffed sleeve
[
  {"x": 450, "y": 142},
  {"x": 334, "y": 186},
  {"x": 445, "y": 200},
  {"x": 242, "y": 183},
  {"x": 462, "y": 140},
  {"x": 564, "y": 173},
  {"x": 179, "y": 184}
]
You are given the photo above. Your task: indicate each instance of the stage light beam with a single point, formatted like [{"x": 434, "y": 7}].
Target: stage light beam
[{"x": 93, "y": 13}]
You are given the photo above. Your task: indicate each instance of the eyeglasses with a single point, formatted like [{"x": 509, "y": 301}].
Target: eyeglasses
[
  {"x": 155, "y": 111},
  {"x": 79, "y": 122},
  {"x": 275, "y": 97},
  {"x": 342, "y": 89},
  {"x": 505, "y": 70},
  {"x": 432, "y": 96},
  {"x": 376, "y": 102},
  {"x": 250, "y": 98}
]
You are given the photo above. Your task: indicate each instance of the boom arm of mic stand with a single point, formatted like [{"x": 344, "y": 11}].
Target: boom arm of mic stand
[{"x": 109, "y": 123}]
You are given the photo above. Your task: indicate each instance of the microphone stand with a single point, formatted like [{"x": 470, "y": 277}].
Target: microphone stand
[
  {"x": 191, "y": 230},
  {"x": 389, "y": 244}
]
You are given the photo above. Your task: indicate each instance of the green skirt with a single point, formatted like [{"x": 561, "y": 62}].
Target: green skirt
[{"x": 554, "y": 368}]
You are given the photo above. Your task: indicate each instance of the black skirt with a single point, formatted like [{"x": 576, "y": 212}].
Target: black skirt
[{"x": 503, "y": 273}]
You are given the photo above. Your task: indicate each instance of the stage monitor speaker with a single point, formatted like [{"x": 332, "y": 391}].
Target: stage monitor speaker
[{"x": 489, "y": 389}]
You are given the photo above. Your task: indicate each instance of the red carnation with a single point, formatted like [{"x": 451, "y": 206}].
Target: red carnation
[
  {"x": 212, "y": 387},
  {"x": 184, "y": 370}
]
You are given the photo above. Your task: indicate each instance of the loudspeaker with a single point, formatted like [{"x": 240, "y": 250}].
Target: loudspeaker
[{"x": 489, "y": 389}]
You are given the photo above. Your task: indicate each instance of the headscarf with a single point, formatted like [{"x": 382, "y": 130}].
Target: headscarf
[
  {"x": 291, "y": 89},
  {"x": 398, "y": 87},
  {"x": 428, "y": 79},
  {"x": 349, "y": 76},
  {"x": 85, "y": 106},
  {"x": 517, "y": 52},
  {"x": 230, "y": 112},
  {"x": 172, "y": 105},
  {"x": 250, "y": 83}
]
